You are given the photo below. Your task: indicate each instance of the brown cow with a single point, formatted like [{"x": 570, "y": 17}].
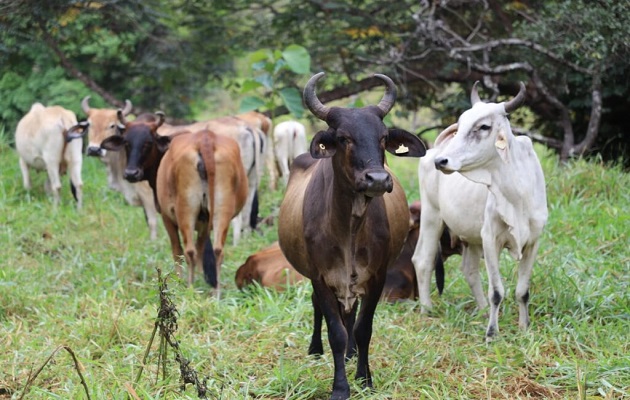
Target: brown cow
[
  {"x": 250, "y": 143},
  {"x": 344, "y": 220},
  {"x": 269, "y": 267},
  {"x": 199, "y": 184},
  {"x": 103, "y": 124}
]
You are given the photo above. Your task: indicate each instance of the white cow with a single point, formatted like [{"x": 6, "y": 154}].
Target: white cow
[
  {"x": 289, "y": 141},
  {"x": 491, "y": 194},
  {"x": 103, "y": 124},
  {"x": 49, "y": 138}
]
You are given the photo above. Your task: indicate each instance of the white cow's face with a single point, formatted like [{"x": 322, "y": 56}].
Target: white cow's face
[{"x": 483, "y": 135}]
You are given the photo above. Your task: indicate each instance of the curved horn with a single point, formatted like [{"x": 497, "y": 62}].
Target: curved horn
[
  {"x": 128, "y": 107},
  {"x": 161, "y": 117},
  {"x": 517, "y": 101},
  {"x": 85, "y": 105},
  {"x": 387, "y": 102},
  {"x": 121, "y": 117},
  {"x": 474, "y": 96},
  {"x": 311, "y": 100}
]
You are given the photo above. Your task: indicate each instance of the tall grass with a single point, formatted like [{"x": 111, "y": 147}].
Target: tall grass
[{"x": 87, "y": 280}]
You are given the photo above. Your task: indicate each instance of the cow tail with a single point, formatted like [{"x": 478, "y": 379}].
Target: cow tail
[
  {"x": 439, "y": 272},
  {"x": 206, "y": 151}
]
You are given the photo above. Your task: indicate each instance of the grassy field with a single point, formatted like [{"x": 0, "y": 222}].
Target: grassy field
[{"x": 87, "y": 280}]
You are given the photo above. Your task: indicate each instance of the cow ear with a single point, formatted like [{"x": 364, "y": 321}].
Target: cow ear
[
  {"x": 404, "y": 144},
  {"x": 502, "y": 146},
  {"x": 113, "y": 143},
  {"x": 323, "y": 144},
  {"x": 446, "y": 135},
  {"x": 163, "y": 142},
  {"x": 77, "y": 131}
]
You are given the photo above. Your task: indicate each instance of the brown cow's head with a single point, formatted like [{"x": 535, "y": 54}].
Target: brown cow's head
[
  {"x": 357, "y": 138},
  {"x": 103, "y": 124},
  {"x": 140, "y": 140}
]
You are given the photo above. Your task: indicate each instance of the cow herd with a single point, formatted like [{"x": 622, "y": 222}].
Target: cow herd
[{"x": 344, "y": 222}]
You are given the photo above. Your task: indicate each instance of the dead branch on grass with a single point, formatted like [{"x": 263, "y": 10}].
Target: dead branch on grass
[
  {"x": 77, "y": 366},
  {"x": 166, "y": 324}
]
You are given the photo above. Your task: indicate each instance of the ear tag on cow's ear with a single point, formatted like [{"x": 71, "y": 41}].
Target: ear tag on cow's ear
[
  {"x": 321, "y": 146},
  {"x": 402, "y": 149},
  {"x": 501, "y": 144}
]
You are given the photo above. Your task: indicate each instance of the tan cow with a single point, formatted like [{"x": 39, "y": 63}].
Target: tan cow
[
  {"x": 103, "y": 124},
  {"x": 250, "y": 142},
  {"x": 49, "y": 138},
  {"x": 199, "y": 182}
]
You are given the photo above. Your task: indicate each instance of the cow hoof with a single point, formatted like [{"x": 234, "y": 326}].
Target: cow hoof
[
  {"x": 314, "y": 350},
  {"x": 340, "y": 394}
]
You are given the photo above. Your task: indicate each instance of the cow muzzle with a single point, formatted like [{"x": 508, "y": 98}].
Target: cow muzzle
[
  {"x": 444, "y": 164},
  {"x": 375, "y": 183},
  {"x": 133, "y": 174},
  {"x": 95, "y": 151}
]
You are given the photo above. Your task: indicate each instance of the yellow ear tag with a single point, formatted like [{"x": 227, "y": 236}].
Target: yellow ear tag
[
  {"x": 402, "y": 149},
  {"x": 500, "y": 144},
  {"x": 321, "y": 146}
]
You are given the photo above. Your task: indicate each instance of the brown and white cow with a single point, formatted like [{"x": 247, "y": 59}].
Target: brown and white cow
[
  {"x": 103, "y": 124},
  {"x": 250, "y": 142},
  {"x": 200, "y": 185},
  {"x": 344, "y": 220},
  {"x": 50, "y": 139}
]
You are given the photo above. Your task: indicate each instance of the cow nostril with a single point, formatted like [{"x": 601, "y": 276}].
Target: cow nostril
[{"x": 440, "y": 162}]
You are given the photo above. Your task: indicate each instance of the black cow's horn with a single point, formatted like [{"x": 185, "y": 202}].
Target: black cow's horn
[
  {"x": 85, "y": 105},
  {"x": 311, "y": 100},
  {"x": 128, "y": 107},
  {"x": 474, "y": 96},
  {"x": 517, "y": 101},
  {"x": 387, "y": 102}
]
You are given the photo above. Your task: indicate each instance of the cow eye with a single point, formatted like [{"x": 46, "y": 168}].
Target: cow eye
[
  {"x": 112, "y": 126},
  {"x": 343, "y": 140},
  {"x": 484, "y": 127}
]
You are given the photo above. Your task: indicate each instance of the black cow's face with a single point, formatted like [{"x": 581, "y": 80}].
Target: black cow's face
[
  {"x": 357, "y": 140},
  {"x": 142, "y": 146}
]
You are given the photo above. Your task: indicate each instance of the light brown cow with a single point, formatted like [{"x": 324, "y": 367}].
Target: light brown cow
[
  {"x": 49, "y": 138},
  {"x": 103, "y": 124},
  {"x": 199, "y": 182},
  {"x": 249, "y": 141},
  {"x": 264, "y": 123},
  {"x": 269, "y": 267}
]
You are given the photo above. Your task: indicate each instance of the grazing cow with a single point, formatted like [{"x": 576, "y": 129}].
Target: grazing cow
[
  {"x": 289, "y": 141},
  {"x": 49, "y": 138},
  {"x": 103, "y": 124},
  {"x": 344, "y": 220},
  {"x": 250, "y": 142},
  {"x": 269, "y": 267},
  {"x": 491, "y": 194},
  {"x": 199, "y": 185}
]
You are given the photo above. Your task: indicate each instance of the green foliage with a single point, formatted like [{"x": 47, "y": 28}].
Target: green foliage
[{"x": 268, "y": 68}]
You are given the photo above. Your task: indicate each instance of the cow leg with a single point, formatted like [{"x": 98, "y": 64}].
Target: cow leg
[
  {"x": 431, "y": 227},
  {"x": 186, "y": 226},
  {"x": 74, "y": 166},
  {"x": 471, "y": 257},
  {"x": 176, "y": 246},
  {"x": 337, "y": 337},
  {"x": 363, "y": 330},
  {"x": 525, "y": 267},
  {"x": 26, "y": 177},
  {"x": 316, "y": 348},
  {"x": 349, "y": 321},
  {"x": 284, "y": 169},
  {"x": 221, "y": 223},
  {"x": 496, "y": 291},
  {"x": 52, "y": 167}
]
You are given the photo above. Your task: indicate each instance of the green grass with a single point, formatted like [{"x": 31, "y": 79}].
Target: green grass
[{"x": 87, "y": 279}]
